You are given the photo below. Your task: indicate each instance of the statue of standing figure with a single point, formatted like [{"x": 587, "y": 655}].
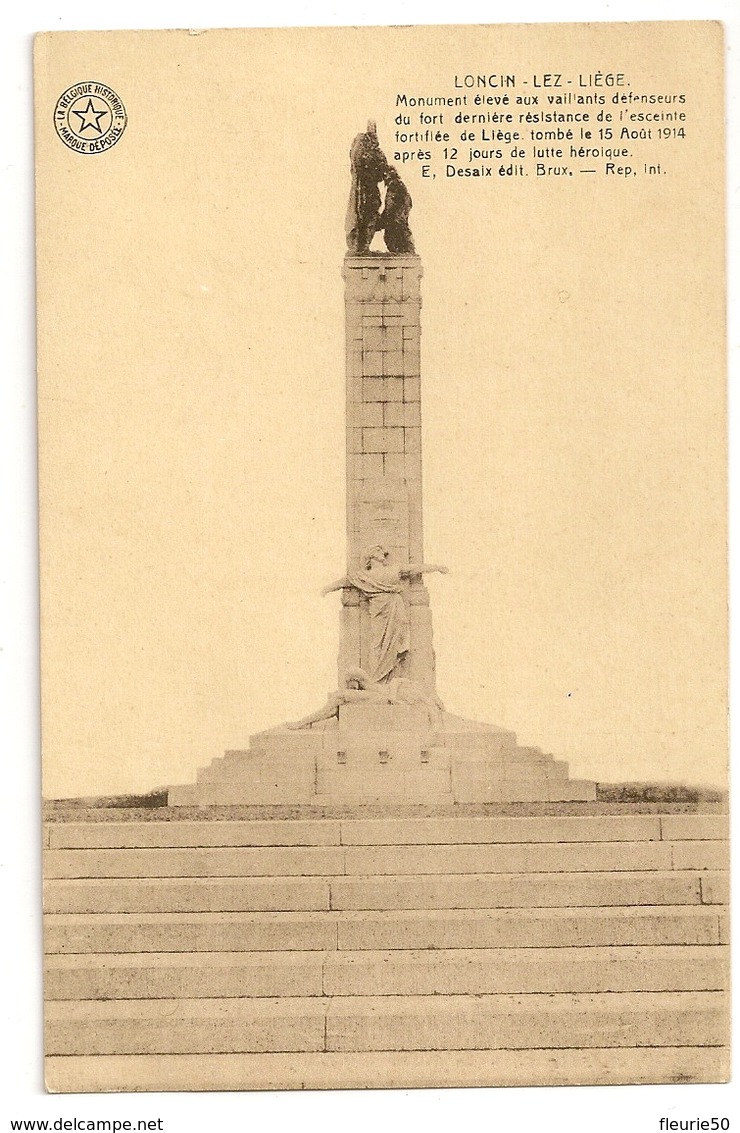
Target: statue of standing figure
[
  {"x": 383, "y": 584},
  {"x": 394, "y": 219},
  {"x": 370, "y": 169}
]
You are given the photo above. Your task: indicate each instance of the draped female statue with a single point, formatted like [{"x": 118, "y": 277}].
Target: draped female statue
[{"x": 383, "y": 584}]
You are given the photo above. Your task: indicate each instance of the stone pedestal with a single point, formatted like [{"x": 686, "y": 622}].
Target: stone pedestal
[{"x": 383, "y": 753}]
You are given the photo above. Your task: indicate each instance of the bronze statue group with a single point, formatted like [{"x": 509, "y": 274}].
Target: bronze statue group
[{"x": 365, "y": 216}]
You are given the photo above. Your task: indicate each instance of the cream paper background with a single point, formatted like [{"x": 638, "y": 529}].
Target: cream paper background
[{"x": 191, "y": 404}]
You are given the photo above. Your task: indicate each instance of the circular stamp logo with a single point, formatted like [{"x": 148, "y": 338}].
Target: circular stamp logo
[{"x": 89, "y": 117}]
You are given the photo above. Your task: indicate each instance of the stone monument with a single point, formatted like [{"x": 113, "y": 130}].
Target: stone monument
[{"x": 384, "y": 735}]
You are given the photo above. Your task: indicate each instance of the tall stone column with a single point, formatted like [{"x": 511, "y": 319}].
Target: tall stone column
[{"x": 384, "y": 504}]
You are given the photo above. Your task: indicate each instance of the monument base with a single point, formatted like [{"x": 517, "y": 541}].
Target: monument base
[{"x": 383, "y": 753}]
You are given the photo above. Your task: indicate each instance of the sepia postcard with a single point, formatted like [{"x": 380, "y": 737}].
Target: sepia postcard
[{"x": 381, "y": 380}]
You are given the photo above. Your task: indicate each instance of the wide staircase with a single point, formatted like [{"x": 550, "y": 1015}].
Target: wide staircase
[{"x": 310, "y": 952}]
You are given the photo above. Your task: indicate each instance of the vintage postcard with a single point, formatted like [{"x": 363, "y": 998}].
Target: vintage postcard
[{"x": 383, "y": 556}]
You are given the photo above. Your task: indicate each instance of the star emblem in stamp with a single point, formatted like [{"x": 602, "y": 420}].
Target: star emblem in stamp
[{"x": 89, "y": 117}]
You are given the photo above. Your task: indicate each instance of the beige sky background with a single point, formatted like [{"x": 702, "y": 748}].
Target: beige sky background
[{"x": 191, "y": 385}]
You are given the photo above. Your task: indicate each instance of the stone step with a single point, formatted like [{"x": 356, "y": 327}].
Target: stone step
[
  {"x": 707, "y": 826},
  {"x": 392, "y": 1070},
  {"x": 178, "y": 975},
  {"x": 268, "y": 861},
  {"x": 428, "y": 783},
  {"x": 511, "y": 767},
  {"x": 555, "y": 857},
  {"x": 91, "y": 835},
  {"x": 330, "y": 771},
  {"x": 495, "y": 771},
  {"x": 68, "y": 933},
  {"x": 393, "y": 787},
  {"x": 358, "y": 1023},
  {"x": 430, "y": 831},
  {"x": 154, "y": 1026},
  {"x": 220, "y": 861},
  {"x": 544, "y": 890},
  {"x": 428, "y": 891},
  {"x": 526, "y": 971},
  {"x": 699, "y": 855},
  {"x": 478, "y": 790},
  {"x": 201, "y": 894},
  {"x": 524, "y": 928},
  {"x": 403, "y": 751},
  {"x": 389, "y": 973},
  {"x": 387, "y": 831},
  {"x": 474, "y": 783},
  {"x": 75, "y": 933},
  {"x": 527, "y": 1022}
]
